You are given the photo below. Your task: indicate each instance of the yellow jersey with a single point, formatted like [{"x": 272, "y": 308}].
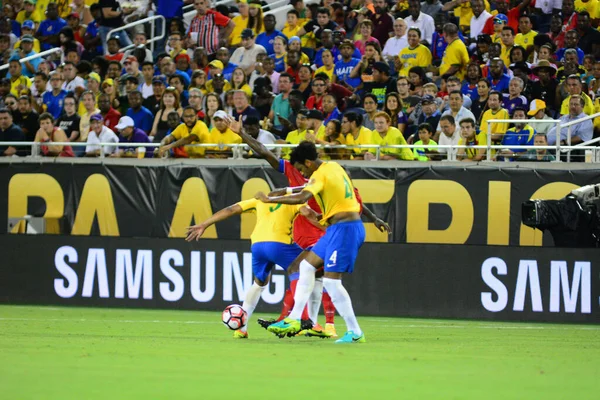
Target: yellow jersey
[
  {"x": 525, "y": 40},
  {"x": 364, "y": 137},
  {"x": 227, "y": 137},
  {"x": 588, "y": 108},
  {"x": 241, "y": 23},
  {"x": 288, "y": 31},
  {"x": 36, "y": 45},
  {"x": 332, "y": 189},
  {"x": 18, "y": 84},
  {"x": 497, "y": 127},
  {"x": 505, "y": 54},
  {"x": 35, "y": 16},
  {"x": 209, "y": 87},
  {"x": 481, "y": 141},
  {"x": 455, "y": 54},
  {"x": 590, "y": 6},
  {"x": 327, "y": 153},
  {"x": 420, "y": 56},
  {"x": 393, "y": 136},
  {"x": 294, "y": 137},
  {"x": 200, "y": 130},
  {"x": 464, "y": 12},
  {"x": 274, "y": 222},
  {"x": 324, "y": 69}
]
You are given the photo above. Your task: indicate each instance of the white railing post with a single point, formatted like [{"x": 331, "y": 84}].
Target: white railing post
[
  {"x": 489, "y": 141},
  {"x": 150, "y": 41},
  {"x": 33, "y": 57},
  {"x": 569, "y": 143}
]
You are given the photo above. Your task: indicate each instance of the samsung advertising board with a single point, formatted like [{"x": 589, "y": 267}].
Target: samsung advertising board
[{"x": 435, "y": 281}]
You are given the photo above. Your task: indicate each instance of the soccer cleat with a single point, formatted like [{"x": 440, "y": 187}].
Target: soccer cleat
[
  {"x": 305, "y": 326},
  {"x": 287, "y": 326},
  {"x": 240, "y": 335},
  {"x": 316, "y": 331},
  {"x": 351, "y": 337},
  {"x": 330, "y": 328},
  {"x": 265, "y": 323}
]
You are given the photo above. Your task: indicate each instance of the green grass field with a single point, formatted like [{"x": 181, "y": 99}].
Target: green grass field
[{"x": 80, "y": 353}]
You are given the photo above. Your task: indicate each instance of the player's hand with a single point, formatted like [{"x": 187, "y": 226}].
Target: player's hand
[
  {"x": 235, "y": 126},
  {"x": 262, "y": 197},
  {"x": 195, "y": 232},
  {"x": 382, "y": 225}
]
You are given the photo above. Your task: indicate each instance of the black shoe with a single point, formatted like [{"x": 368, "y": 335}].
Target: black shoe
[
  {"x": 265, "y": 323},
  {"x": 305, "y": 324}
]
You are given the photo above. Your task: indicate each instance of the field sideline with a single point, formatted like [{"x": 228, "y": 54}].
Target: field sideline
[{"x": 84, "y": 353}]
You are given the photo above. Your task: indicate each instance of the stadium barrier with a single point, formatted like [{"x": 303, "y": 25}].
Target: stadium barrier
[
  {"x": 433, "y": 281},
  {"x": 423, "y": 202}
]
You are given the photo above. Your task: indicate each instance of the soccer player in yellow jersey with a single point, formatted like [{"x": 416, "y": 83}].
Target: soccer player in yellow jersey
[
  {"x": 456, "y": 57},
  {"x": 415, "y": 55},
  {"x": 271, "y": 243},
  {"x": 192, "y": 131},
  {"x": 337, "y": 250}
]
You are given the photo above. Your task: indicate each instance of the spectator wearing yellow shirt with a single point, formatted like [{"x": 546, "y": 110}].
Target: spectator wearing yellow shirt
[
  {"x": 415, "y": 55},
  {"x": 495, "y": 111},
  {"x": 525, "y": 38},
  {"x": 300, "y": 134},
  {"x": 28, "y": 28},
  {"x": 18, "y": 81},
  {"x": 241, "y": 23},
  {"x": 463, "y": 11},
  {"x": 508, "y": 41},
  {"x": 356, "y": 134},
  {"x": 469, "y": 138},
  {"x": 333, "y": 136},
  {"x": 591, "y": 6},
  {"x": 575, "y": 87},
  {"x": 328, "y": 65},
  {"x": 456, "y": 57},
  {"x": 29, "y": 13},
  {"x": 385, "y": 134},
  {"x": 221, "y": 135},
  {"x": 292, "y": 25},
  {"x": 192, "y": 131}
]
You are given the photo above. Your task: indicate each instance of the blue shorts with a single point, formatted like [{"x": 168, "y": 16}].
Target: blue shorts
[
  {"x": 339, "y": 247},
  {"x": 266, "y": 254}
]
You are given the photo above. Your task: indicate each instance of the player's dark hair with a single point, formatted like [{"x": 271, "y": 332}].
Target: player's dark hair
[{"x": 305, "y": 151}]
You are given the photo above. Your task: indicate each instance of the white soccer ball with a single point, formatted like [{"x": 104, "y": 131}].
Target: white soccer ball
[{"x": 234, "y": 317}]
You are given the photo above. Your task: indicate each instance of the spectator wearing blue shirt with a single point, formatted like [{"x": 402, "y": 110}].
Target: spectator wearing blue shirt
[
  {"x": 521, "y": 135},
  {"x": 141, "y": 116},
  {"x": 54, "y": 99},
  {"x": 91, "y": 38},
  {"x": 266, "y": 38},
  {"x": 343, "y": 68},
  {"x": 49, "y": 28},
  {"x": 31, "y": 66},
  {"x": 129, "y": 133},
  {"x": 499, "y": 81},
  {"x": 571, "y": 40},
  {"x": 228, "y": 68},
  {"x": 170, "y": 9}
]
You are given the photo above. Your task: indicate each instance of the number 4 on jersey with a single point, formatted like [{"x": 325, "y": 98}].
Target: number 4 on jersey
[{"x": 332, "y": 259}]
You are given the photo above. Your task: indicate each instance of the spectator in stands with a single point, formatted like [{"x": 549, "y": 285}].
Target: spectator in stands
[
  {"x": 574, "y": 87},
  {"x": 140, "y": 40},
  {"x": 263, "y": 98},
  {"x": 520, "y": 135},
  {"x": 495, "y": 111},
  {"x": 212, "y": 104},
  {"x": 26, "y": 50},
  {"x": 152, "y": 103},
  {"x": 470, "y": 138},
  {"x": 40, "y": 83},
  {"x": 425, "y": 132},
  {"x": 252, "y": 127},
  {"x": 498, "y": 79},
  {"x": 581, "y": 132},
  {"x": 223, "y": 55},
  {"x": 242, "y": 106},
  {"x": 176, "y": 44},
  {"x": 344, "y": 67},
  {"x": 450, "y": 136},
  {"x": 47, "y": 133},
  {"x": 305, "y": 79},
  {"x": 191, "y": 131},
  {"x": 454, "y": 84},
  {"x": 281, "y": 106},
  {"x": 29, "y": 13},
  {"x": 420, "y": 20},
  {"x": 508, "y": 41},
  {"x": 545, "y": 88},
  {"x": 89, "y": 102},
  {"x": 271, "y": 74},
  {"x": 429, "y": 114},
  {"x": 370, "y": 107},
  {"x": 18, "y": 81},
  {"x": 396, "y": 43},
  {"x": 26, "y": 118},
  {"x": 195, "y": 101},
  {"x": 539, "y": 155},
  {"x": 456, "y": 109},
  {"x": 209, "y": 29},
  {"x": 130, "y": 133},
  {"x": 245, "y": 56},
  {"x": 382, "y": 22},
  {"x": 113, "y": 46},
  {"x": 537, "y": 111},
  {"x": 49, "y": 28},
  {"x": 54, "y": 99},
  {"x": 176, "y": 82},
  {"x": 221, "y": 135},
  {"x": 301, "y": 132},
  {"x": 265, "y": 39},
  {"x": 456, "y": 57},
  {"x": 571, "y": 40},
  {"x": 315, "y": 101},
  {"x": 480, "y": 105},
  {"x": 9, "y": 132},
  {"x": 316, "y": 26},
  {"x": 356, "y": 134},
  {"x": 527, "y": 34},
  {"x": 69, "y": 121},
  {"x": 169, "y": 102},
  {"x": 141, "y": 116},
  {"x": 478, "y": 20},
  {"x": 98, "y": 133},
  {"x": 414, "y": 55},
  {"x": 366, "y": 28},
  {"x": 240, "y": 22},
  {"x": 589, "y": 38},
  {"x": 91, "y": 39},
  {"x": 385, "y": 134},
  {"x": 239, "y": 81},
  {"x": 521, "y": 70},
  {"x": 514, "y": 98},
  {"x": 112, "y": 17},
  {"x": 73, "y": 83},
  {"x": 11, "y": 102},
  {"x": 394, "y": 108}
]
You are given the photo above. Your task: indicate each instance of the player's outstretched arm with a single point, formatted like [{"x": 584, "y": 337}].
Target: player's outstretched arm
[
  {"x": 298, "y": 198},
  {"x": 290, "y": 190},
  {"x": 379, "y": 223},
  {"x": 254, "y": 144},
  {"x": 312, "y": 216},
  {"x": 195, "y": 232}
]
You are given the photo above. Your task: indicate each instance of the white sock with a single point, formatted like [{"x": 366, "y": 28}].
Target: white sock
[
  {"x": 304, "y": 288},
  {"x": 251, "y": 300},
  {"x": 314, "y": 302},
  {"x": 341, "y": 300}
]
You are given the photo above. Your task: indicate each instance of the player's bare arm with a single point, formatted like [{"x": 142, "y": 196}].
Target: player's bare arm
[
  {"x": 284, "y": 191},
  {"x": 195, "y": 232},
  {"x": 312, "y": 216},
  {"x": 298, "y": 198},
  {"x": 378, "y": 222},
  {"x": 255, "y": 145}
]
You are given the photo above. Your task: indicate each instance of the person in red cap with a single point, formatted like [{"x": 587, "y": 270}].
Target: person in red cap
[
  {"x": 182, "y": 63},
  {"x": 73, "y": 21},
  {"x": 132, "y": 67}
]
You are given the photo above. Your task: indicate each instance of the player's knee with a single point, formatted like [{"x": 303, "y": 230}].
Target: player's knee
[
  {"x": 261, "y": 283},
  {"x": 306, "y": 267}
]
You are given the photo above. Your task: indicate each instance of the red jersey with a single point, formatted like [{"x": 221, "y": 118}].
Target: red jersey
[{"x": 306, "y": 234}]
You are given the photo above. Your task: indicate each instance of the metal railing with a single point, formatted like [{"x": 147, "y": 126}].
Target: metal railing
[
  {"x": 153, "y": 37},
  {"x": 33, "y": 57},
  {"x": 238, "y": 149},
  {"x": 568, "y": 125}
]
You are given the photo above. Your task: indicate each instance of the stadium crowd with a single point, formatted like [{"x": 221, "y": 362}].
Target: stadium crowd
[{"x": 361, "y": 72}]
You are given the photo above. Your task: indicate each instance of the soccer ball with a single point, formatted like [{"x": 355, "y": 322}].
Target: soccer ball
[{"x": 234, "y": 317}]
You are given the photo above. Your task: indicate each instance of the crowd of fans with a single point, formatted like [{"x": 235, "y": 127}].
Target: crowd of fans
[{"x": 358, "y": 72}]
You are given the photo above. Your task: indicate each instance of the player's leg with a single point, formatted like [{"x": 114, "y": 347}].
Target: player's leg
[
  {"x": 347, "y": 238},
  {"x": 261, "y": 268},
  {"x": 329, "y": 311}
]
